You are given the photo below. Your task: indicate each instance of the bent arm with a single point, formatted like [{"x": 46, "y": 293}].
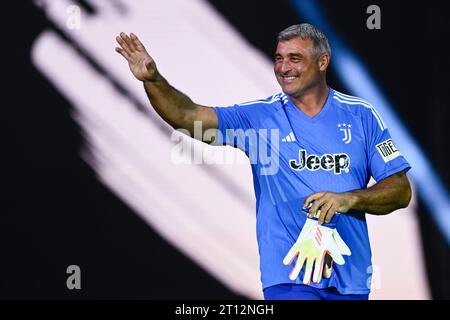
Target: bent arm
[{"x": 389, "y": 194}]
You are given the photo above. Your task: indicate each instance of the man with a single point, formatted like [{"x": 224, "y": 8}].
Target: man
[{"x": 329, "y": 146}]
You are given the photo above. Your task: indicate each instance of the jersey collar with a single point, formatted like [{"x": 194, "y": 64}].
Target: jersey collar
[{"x": 318, "y": 116}]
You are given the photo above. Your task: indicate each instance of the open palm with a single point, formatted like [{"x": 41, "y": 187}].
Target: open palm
[{"x": 140, "y": 62}]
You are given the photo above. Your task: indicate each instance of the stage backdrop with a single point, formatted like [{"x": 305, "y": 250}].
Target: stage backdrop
[{"x": 96, "y": 179}]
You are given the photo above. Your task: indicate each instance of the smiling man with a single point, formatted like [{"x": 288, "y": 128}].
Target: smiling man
[{"x": 310, "y": 210}]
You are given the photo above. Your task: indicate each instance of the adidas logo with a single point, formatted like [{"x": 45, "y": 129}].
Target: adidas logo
[{"x": 289, "y": 138}]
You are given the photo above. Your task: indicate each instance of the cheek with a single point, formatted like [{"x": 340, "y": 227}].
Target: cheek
[
  {"x": 302, "y": 67},
  {"x": 309, "y": 72},
  {"x": 277, "y": 68}
]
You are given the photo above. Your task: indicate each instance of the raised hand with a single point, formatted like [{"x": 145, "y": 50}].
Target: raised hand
[{"x": 140, "y": 62}]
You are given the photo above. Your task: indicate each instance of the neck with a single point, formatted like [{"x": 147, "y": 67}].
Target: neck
[{"x": 312, "y": 101}]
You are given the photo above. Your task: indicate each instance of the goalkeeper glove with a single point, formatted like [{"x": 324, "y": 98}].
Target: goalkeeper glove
[{"x": 313, "y": 245}]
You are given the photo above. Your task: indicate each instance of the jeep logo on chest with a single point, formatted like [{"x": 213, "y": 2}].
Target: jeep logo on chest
[{"x": 338, "y": 162}]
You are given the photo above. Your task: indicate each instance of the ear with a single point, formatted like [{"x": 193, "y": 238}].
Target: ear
[{"x": 323, "y": 61}]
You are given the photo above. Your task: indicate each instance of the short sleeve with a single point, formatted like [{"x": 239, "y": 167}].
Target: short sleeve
[
  {"x": 235, "y": 126},
  {"x": 384, "y": 156}
]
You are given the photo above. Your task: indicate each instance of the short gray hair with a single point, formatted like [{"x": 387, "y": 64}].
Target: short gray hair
[{"x": 307, "y": 31}]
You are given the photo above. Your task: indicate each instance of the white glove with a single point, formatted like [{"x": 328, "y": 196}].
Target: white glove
[{"x": 314, "y": 243}]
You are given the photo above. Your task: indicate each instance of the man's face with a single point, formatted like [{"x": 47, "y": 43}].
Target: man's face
[{"x": 296, "y": 67}]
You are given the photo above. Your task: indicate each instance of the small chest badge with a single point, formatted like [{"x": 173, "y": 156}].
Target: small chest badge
[{"x": 347, "y": 129}]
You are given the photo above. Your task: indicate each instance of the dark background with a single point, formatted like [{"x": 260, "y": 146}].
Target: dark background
[{"x": 54, "y": 207}]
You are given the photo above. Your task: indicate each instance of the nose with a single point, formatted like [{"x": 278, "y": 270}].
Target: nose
[{"x": 285, "y": 67}]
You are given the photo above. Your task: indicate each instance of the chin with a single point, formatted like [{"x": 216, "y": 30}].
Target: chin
[{"x": 291, "y": 91}]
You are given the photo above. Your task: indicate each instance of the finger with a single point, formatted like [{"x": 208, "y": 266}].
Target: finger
[
  {"x": 329, "y": 214},
  {"x": 308, "y": 271},
  {"x": 318, "y": 268},
  {"x": 123, "y": 44},
  {"x": 326, "y": 204},
  {"x": 137, "y": 43},
  {"x": 123, "y": 53},
  {"x": 290, "y": 256},
  {"x": 311, "y": 198},
  {"x": 316, "y": 206},
  {"x": 128, "y": 41},
  {"x": 325, "y": 211},
  {"x": 298, "y": 266},
  {"x": 321, "y": 213}
]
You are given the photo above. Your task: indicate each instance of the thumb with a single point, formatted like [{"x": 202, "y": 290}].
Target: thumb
[
  {"x": 148, "y": 62},
  {"x": 149, "y": 70},
  {"x": 337, "y": 257},
  {"x": 345, "y": 250},
  {"x": 335, "y": 253}
]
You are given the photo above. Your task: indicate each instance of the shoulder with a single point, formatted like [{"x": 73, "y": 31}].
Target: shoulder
[
  {"x": 271, "y": 103},
  {"x": 357, "y": 106},
  {"x": 255, "y": 109},
  {"x": 350, "y": 103}
]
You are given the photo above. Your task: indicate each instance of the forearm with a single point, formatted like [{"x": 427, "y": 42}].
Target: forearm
[
  {"x": 388, "y": 195},
  {"x": 171, "y": 104}
]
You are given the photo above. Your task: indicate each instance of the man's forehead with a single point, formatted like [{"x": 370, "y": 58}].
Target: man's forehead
[{"x": 294, "y": 45}]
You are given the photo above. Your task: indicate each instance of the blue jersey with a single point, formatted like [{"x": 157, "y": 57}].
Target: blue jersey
[{"x": 293, "y": 155}]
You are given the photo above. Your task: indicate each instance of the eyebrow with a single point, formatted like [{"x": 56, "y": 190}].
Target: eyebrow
[{"x": 291, "y": 55}]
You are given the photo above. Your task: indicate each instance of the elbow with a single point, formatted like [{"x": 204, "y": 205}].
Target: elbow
[{"x": 407, "y": 194}]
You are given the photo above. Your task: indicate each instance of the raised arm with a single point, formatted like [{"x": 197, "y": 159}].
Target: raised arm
[{"x": 173, "y": 106}]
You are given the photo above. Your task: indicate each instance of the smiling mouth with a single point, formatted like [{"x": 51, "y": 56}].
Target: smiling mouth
[{"x": 289, "y": 78}]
